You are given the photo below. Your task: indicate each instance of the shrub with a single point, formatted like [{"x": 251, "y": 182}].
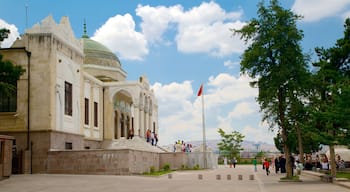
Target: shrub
[
  {"x": 152, "y": 169},
  {"x": 166, "y": 167},
  {"x": 196, "y": 167}
]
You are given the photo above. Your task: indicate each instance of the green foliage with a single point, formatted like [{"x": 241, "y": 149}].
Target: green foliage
[
  {"x": 9, "y": 74},
  {"x": 260, "y": 154},
  {"x": 166, "y": 167},
  {"x": 330, "y": 101},
  {"x": 4, "y": 33},
  {"x": 152, "y": 169},
  {"x": 230, "y": 143},
  {"x": 343, "y": 175},
  {"x": 275, "y": 61}
]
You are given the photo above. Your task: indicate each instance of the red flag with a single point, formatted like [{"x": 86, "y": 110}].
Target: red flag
[{"x": 200, "y": 90}]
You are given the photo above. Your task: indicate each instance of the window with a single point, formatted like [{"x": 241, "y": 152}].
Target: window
[
  {"x": 68, "y": 95},
  {"x": 8, "y": 103},
  {"x": 86, "y": 111},
  {"x": 69, "y": 145},
  {"x": 95, "y": 114}
]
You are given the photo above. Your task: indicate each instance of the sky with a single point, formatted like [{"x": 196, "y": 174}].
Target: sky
[{"x": 179, "y": 45}]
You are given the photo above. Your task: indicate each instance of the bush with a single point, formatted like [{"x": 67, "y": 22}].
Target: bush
[
  {"x": 152, "y": 169},
  {"x": 166, "y": 167},
  {"x": 184, "y": 167},
  {"x": 196, "y": 167}
]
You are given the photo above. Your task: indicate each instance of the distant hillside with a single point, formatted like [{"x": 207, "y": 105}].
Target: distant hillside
[{"x": 248, "y": 146}]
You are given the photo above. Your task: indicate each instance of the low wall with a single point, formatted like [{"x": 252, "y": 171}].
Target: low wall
[
  {"x": 122, "y": 161},
  {"x": 106, "y": 162},
  {"x": 181, "y": 160}
]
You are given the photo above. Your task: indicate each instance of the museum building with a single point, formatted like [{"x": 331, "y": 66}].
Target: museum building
[{"x": 72, "y": 98}]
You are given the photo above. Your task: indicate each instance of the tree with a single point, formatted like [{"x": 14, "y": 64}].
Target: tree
[
  {"x": 9, "y": 74},
  {"x": 275, "y": 61},
  {"x": 4, "y": 33},
  {"x": 330, "y": 101},
  {"x": 230, "y": 144}
]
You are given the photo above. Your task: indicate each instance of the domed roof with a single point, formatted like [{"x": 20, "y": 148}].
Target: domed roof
[
  {"x": 101, "y": 62},
  {"x": 99, "y": 53}
]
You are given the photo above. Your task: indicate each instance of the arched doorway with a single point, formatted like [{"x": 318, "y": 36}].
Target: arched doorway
[{"x": 122, "y": 114}]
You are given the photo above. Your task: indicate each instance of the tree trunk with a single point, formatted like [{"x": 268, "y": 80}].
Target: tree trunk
[
  {"x": 331, "y": 159},
  {"x": 300, "y": 144},
  {"x": 287, "y": 154},
  {"x": 282, "y": 124}
]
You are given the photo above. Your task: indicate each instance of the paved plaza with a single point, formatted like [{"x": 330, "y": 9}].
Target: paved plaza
[{"x": 178, "y": 181}]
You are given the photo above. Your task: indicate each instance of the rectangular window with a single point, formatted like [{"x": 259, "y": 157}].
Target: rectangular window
[
  {"x": 86, "y": 111},
  {"x": 95, "y": 114},
  {"x": 69, "y": 145},
  {"x": 68, "y": 97},
  {"x": 8, "y": 103}
]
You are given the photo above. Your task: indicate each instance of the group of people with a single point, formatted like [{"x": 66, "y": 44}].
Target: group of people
[
  {"x": 151, "y": 137},
  {"x": 182, "y": 146},
  {"x": 279, "y": 163},
  {"x": 322, "y": 162}
]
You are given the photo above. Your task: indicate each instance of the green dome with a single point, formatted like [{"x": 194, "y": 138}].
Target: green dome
[{"x": 98, "y": 54}]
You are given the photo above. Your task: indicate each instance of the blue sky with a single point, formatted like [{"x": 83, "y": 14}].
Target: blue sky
[{"x": 179, "y": 45}]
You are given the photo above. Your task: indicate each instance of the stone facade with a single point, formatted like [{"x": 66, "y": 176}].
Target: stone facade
[
  {"x": 73, "y": 96},
  {"x": 122, "y": 161},
  {"x": 5, "y": 156}
]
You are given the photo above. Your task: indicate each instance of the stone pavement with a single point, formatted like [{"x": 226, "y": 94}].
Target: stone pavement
[{"x": 178, "y": 181}]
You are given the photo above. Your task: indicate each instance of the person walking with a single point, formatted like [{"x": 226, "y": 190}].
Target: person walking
[{"x": 267, "y": 166}]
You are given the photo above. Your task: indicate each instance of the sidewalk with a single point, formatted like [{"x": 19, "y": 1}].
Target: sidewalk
[
  {"x": 338, "y": 181},
  {"x": 178, "y": 181}
]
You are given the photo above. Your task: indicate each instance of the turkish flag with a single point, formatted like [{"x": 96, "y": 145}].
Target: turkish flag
[{"x": 200, "y": 90}]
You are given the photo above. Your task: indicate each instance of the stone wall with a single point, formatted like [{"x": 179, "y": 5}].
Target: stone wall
[
  {"x": 107, "y": 162},
  {"x": 180, "y": 160},
  {"x": 5, "y": 156},
  {"x": 121, "y": 161}
]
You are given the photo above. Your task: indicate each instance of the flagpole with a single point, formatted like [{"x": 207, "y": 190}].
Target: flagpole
[{"x": 204, "y": 139}]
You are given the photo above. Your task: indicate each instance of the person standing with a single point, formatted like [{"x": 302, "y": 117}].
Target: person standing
[
  {"x": 283, "y": 164},
  {"x": 255, "y": 163},
  {"x": 277, "y": 164},
  {"x": 234, "y": 162}
]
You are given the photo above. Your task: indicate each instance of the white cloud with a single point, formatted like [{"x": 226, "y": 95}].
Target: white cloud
[
  {"x": 180, "y": 110},
  {"x": 14, "y": 34},
  {"x": 243, "y": 109},
  {"x": 156, "y": 20},
  {"x": 258, "y": 134},
  {"x": 315, "y": 10},
  {"x": 226, "y": 88},
  {"x": 202, "y": 29},
  {"x": 118, "y": 34},
  {"x": 231, "y": 64},
  {"x": 346, "y": 15},
  {"x": 206, "y": 29}
]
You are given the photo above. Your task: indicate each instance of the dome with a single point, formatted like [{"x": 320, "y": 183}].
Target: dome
[
  {"x": 98, "y": 54},
  {"x": 100, "y": 61}
]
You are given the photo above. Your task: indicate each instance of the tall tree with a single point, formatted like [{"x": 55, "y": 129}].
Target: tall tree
[
  {"x": 275, "y": 60},
  {"x": 331, "y": 103},
  {"x": 230, "y": 143}
]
